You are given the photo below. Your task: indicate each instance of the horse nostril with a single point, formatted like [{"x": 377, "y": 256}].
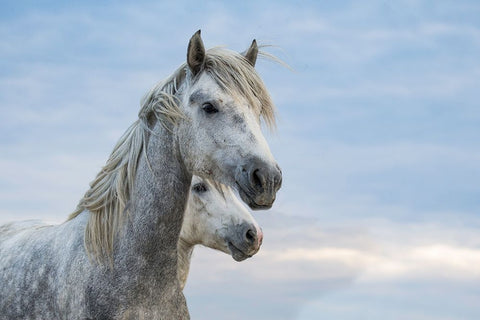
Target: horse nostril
[
  {"x": 257, "y": 179},
  {"x": 250, "y": 236}
]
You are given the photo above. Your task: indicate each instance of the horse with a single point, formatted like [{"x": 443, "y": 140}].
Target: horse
[
  {"x": 116, "y": 255},
  {"x": 215, "y": 218}
]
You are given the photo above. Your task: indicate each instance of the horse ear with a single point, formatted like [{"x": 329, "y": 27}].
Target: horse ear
[
  {"x": 196, "y": 53},
  {"x": 251, "y": 53}
]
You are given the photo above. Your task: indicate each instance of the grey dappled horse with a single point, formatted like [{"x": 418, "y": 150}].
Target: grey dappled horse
[{"x": 116, "y": 256}]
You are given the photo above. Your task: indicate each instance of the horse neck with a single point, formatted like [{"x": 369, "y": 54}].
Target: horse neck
[
  {"x": 185, "y": 250},
  {"x": 156, "y": 206}
]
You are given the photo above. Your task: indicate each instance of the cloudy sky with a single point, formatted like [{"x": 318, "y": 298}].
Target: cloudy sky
[{"x": 378, "y": 138}]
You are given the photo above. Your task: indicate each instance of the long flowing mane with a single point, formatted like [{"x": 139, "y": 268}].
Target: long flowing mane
[{"x": 109, "y": 194}]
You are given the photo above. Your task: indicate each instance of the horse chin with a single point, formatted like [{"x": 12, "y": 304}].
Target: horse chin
[
  {"x": 250, "y": 200},
  {"x": 237, "y": 254}
]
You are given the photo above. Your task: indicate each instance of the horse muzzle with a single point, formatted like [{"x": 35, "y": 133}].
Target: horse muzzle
[
  {"x": 258, "y": 183},
  {"x": 245, "y": 242}
]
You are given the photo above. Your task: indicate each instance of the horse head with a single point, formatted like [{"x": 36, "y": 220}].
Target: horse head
[
  {"x": 215, "y": 218},
  {"x": 223, "y": 101}
]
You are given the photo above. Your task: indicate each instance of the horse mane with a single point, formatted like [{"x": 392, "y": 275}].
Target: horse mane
[{"x": 109, "y": 193}]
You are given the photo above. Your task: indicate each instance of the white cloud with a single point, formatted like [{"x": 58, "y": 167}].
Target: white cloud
[
  {"x": 363, "y": 254},
  {"x": 435, "y": 261},
  {"x": 301, "y": 260}
]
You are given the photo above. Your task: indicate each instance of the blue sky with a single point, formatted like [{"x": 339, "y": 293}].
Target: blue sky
[{"x": 378, "y": 138}]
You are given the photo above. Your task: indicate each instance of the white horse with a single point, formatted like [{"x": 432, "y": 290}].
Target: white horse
[
  {"x": 116, "y": 256},
  {"x": 215, "y": 218}
]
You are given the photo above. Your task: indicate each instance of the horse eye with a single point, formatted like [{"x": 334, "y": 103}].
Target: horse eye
[
  {"x": 200, "y": 187},
  {"x": 209, "y": 108}
]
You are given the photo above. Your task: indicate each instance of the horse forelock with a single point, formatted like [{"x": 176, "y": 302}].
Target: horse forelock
[
  {"x": 237, "y": 76},
  {"x": 220, "y": 187}
]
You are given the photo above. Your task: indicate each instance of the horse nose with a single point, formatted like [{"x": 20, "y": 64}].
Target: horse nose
[
  {"x": 253, "y": 237},
  {"x": 262, "y": 176},
  {"x": 263, "y": 182}
]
